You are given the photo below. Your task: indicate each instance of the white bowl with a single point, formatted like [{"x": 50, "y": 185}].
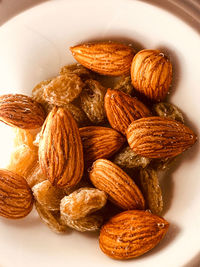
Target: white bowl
[{"x": 33, "y": 46}]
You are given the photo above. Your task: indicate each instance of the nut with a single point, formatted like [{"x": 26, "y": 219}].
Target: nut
[
  {"x": 131, "y": 234},
  {"x": 100, "y": 142},
  {"x": 60, "y": 149},
  {"x": 21, "y": 111},
  {"x": 108, "y": 58},
  {"x": 16, "y": 199},
  {"x": 151, "y": 73},
  {"x": 122, "y": 109},
  {"x": 158, "y": 137},
  {"x": 120, "y": 188}
]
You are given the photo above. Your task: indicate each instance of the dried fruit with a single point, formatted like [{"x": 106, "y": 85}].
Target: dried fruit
[
  {"x": 158, "y": 137},
  {"x": 78, "y": 69},
  {"x": 63, "y": 89},
  {"x": 91, "y": 222},
  {"x": 16, "y": 200},
  {"x": 108, "y": 58},
  {"x": 127, "y": 158},
  {"x": 122, "y": 109},
  {"x": 124, "y": 85},
  {"x": 92, "y": 101},
  {"x": 131, "y": 234},
  {"x": 100, "y": 142},
  {"x": 168, "y": 110},
  {"x": 163, "y": 163},
  {"x": 38, "y": 92},
  {"x": 25, "y": 153},
  {"x": 51, "y": 219},
  {"x": 151, "y": 190},
  {"x": 48, "y": 195},
  {"x": 25, "y": 137},
  {"x": 60, "y": 149},
  {"x": 21, "y": 111},
  {"x": 120, "y": 188},
  {"x": 78, "y": 114},
  {"x": 82, "y": 202},
  {"x": 22, "y": 160},
  {"x": 151, "y": 73},
  {"x": 35, "y": 175}
]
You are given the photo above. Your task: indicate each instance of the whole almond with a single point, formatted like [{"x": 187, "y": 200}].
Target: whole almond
[
  {"x": 151, "y": 73},
  {"x": 16, "y": 199},
  {"x": 131, "y": 234},
  {"x": 60, "y": 149},
  {"x": 100, "y": 142},
  {"x": 107, "y": 58},
  {"x": 159, "y": 137},
  {"x": 21, "y": 111},
  {"x": 120, "y": 188},
  {"x": 122, "y": 109}
]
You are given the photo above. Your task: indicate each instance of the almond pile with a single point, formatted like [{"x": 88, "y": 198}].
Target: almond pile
[{"x": 88, "y": 156}]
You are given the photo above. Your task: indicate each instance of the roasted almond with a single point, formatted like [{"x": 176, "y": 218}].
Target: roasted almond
[
  {"x": 60, "y": 149},
  {"x": 21, "y": 111},
  {"x": 131, "y": 234},
  {"x": 16, "y": 199},
  {"x": 100, "y": 142},
  {"x": 107, "y": 58},
  {"x": 151, "y": 73},
  {"x": 122, "y": 109},
  {"x": 158, "y": 137},
  {"x": 120, "y": 188}
]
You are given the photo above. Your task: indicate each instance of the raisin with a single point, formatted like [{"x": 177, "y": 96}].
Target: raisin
[
  {"x": 91, "y": 222},
  {"x": 168, "y": 110},
  {"x": 150, "y": 187},
  {"x": 92, "y": 101},
  {"x": 38, "y": 92},
  {"x": 82, "y": 202},
  {"x": 78, "y": 69},
  {"x": 35, "y": 175},
  {"x": 51, "y": 219},
  {"x": 124, "y": 85},
  {"x": 63, "y": 89},
  {"x": 127, "y": 158},
  {"x": 48, "y": 195}
]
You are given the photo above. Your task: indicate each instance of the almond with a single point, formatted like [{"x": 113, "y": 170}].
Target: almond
[
  {"x": 107, "y": 58},
  {"x": 151, "y": 73},
  {"x": 131, "y": 234},
  {"x": 120, "y": 188},
  {"x": 16, "y": 199},
  {"x": 100, "y": 142},
  {"x": 60, "y": 149},
  {"x": 159, "y": 137},
  {"x": 122, "y": 109},
  {"x": 21, "y": 111}
]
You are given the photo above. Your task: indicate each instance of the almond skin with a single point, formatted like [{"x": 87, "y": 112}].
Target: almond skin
[
  {"x": 122, "y": 109},
  {"x": 107, "y": 58},
  {"x": 159, "y": 137},
  {"x": 132, "y": 233},
  {"x": 60, "y": 149},
  {"x": 100, "y": 142},
  {"x": 120, "y": 188},
  {"x": 16, "y": 199},
  {"x": 151, "y": 74},
  {"x": 21, "y": 111}
]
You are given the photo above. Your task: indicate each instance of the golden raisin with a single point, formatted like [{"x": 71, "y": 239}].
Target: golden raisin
[
  {"x": 63, "y": 89},
  {"x": 82, "y": 202},
  {"x": 92, "y": 101},
  {"x": 51, "y": 219},
  {"x": 48, "y": 195},
  {"x": 124, "y": 85},
  {"x": 91, "y": 222}
]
